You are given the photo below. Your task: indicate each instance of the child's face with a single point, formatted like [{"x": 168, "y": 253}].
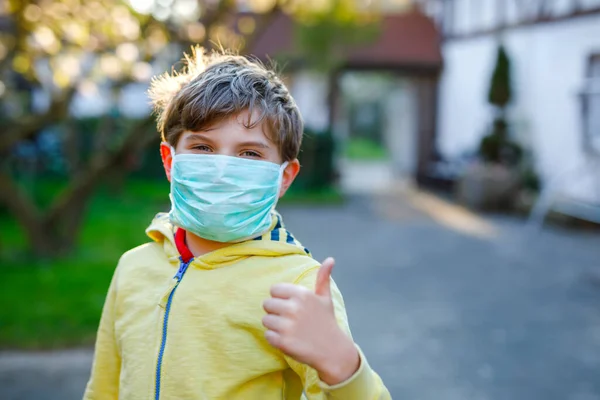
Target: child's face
[{"x": 231, "y": 138}]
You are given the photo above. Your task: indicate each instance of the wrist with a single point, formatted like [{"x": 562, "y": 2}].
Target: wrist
[{"x": 340, "y": 364}]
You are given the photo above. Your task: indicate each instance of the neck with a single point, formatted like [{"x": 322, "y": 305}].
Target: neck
[{"x": 199, "y": 246}]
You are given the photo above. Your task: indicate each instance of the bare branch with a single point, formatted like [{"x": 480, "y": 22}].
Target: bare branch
[
  {"x": 18, "y": 203},
  {"x": 29, "y": 125},
  {"x": 99, "y": 166}
]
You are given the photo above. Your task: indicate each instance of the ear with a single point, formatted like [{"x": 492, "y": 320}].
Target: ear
[
  {"x": 289, "y": 174},
  {"x": 167, "y": 158}
]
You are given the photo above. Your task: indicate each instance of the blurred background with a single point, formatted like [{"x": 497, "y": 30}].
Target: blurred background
[{"x": 451, "y": 164}]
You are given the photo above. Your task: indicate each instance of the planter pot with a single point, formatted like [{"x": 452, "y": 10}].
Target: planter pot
[{"x": 488, "y": 187}]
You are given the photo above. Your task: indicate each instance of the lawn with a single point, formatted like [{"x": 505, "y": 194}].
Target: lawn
[
  {"x": 364, "y": 149},
  {"x": 58, "y": 303}
]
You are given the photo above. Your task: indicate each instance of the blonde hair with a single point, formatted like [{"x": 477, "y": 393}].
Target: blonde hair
[{"x": 218, "y": 85}]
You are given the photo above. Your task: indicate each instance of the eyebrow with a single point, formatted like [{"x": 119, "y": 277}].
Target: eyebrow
[
  {"x": 198, "y": 136},
  {"x": 256, "y": 144},
  {"x": 260, "y": 145}
]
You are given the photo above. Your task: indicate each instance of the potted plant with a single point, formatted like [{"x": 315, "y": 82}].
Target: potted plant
[{"x": 493, "y": 181}]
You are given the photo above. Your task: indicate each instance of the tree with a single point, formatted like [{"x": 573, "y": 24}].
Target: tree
[
  {"x": 497, "y": 147},
  {"x": 500, "y": 91},
  {"x": 324, "y": 35},
  {"x": 62, "y": 48},
  {"x": 59, "y": 49}
]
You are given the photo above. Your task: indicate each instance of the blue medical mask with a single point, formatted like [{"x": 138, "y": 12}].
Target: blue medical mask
[{"x": 223, "y": 198}]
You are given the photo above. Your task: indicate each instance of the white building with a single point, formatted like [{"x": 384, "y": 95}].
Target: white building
[{"x": 554, "y": 47}]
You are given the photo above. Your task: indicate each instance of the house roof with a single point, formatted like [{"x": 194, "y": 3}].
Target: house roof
[{"x": 406, "y": 40}]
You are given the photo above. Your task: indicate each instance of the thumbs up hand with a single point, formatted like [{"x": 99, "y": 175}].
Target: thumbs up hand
[{"x": 302, "y": 324}]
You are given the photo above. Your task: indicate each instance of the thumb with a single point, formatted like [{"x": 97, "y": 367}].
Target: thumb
[{"x": 323, "y": 286}]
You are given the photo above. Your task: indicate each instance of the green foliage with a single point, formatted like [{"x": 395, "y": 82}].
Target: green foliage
[
  {"x": 59, "y": 33},
  {"x": 316, "y": 157},
  {"x": 58, "y": 303},
  {"x": 364, "y": 149},
  {"x": 500, "y": 91},
  {"x": 530, "y": 179},
  {"x": 325, "y": 35},
  {"x": 498, "y": 148}
]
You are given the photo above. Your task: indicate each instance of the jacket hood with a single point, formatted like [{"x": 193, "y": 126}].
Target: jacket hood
[{"x": 276, "y": 242}]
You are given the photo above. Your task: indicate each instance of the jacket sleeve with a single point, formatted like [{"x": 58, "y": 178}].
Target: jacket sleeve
[
  {"x": 104, "y": 380},
  {"x": 365, "y": 384}
]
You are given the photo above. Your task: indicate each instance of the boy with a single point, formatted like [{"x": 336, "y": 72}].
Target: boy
[{"x": 225, "y": 303}]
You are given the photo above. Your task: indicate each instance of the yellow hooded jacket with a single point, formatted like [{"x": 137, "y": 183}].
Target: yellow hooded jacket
[{"x": 177, "y": 330}]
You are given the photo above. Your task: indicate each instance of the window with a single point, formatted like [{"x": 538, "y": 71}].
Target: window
[{"x": 591, "y": 106}]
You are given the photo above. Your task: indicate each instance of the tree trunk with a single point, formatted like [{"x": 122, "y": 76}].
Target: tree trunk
[
  {"x": 41, "y": 239},
  {"x": 70, "y": 224},
  {"x": 54, "y": 232}
]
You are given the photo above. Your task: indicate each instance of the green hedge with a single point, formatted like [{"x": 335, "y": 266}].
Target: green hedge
[{"x": 317, "y": 161}]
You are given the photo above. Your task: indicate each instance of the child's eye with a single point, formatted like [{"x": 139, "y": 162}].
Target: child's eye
[
  {"x": 250, "y": 153},
  {"x": 202, "y": 147}
]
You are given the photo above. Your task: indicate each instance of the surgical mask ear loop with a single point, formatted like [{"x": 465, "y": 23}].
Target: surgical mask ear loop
[{"x": 281, "y": 170}]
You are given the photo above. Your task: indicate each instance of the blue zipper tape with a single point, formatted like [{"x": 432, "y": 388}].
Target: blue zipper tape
[{"x": 182, "y": 268}]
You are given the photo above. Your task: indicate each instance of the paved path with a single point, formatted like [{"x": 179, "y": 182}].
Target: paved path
[{"x": 446, "y": 305}]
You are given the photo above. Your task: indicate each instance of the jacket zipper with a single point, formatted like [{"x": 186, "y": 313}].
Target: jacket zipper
[{"x": 183, "y": 266}]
